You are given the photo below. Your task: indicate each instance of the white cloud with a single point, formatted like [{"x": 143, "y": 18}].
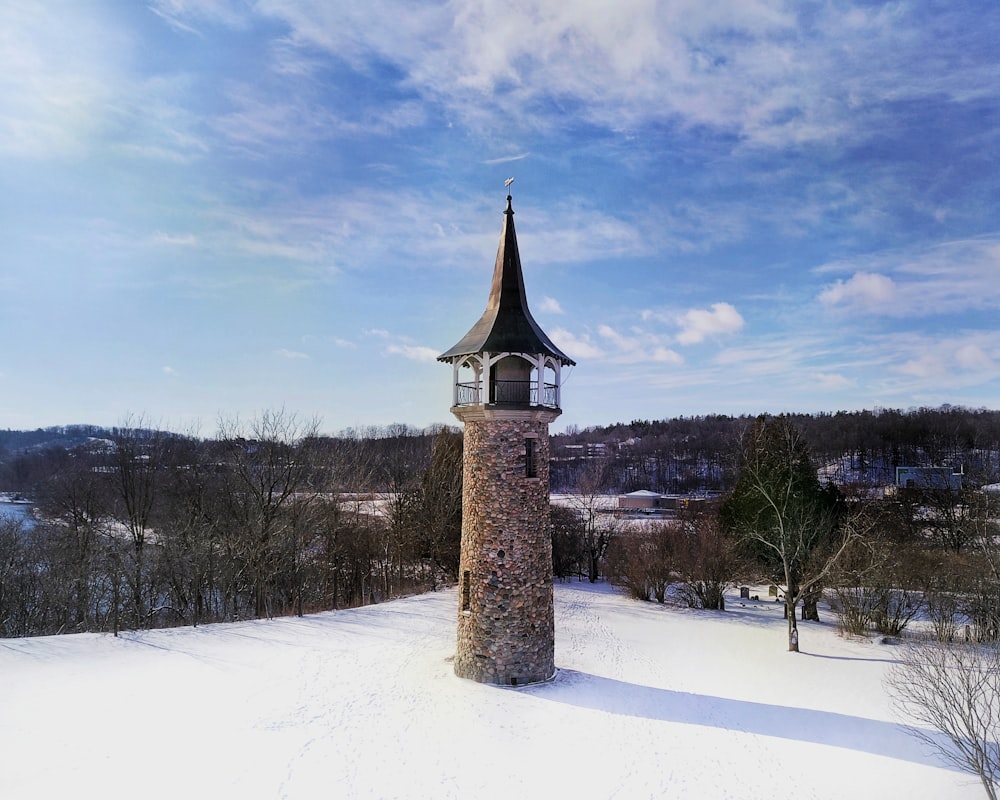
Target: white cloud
[
  {"x": 169, "y": 371},
  {"x": 698, "y": 324},
  {"x": 832, "y": 381},
  {"x": 927, "y": 366},
  {"x": 414, "y": 352},
  {"x": 864, "y": 289},
  {"x": 641, "y": 347},
  {"x": 617, "y": 339},
  {"x": 973, "y": 357},
  {"x": 665, "y": 355},
  {"x": 551, "y": 305},
  {"x": 576, "y": 346}
]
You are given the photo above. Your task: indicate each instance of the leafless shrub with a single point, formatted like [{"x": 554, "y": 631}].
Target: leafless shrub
[
  {"x": 949, "y": 697},
  {"x": 707, "y": 562},
  {"x": 642, "y": 562}
]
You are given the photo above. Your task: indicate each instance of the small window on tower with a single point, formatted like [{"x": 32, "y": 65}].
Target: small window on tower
[
  {"x": 466, "y": 590},
  {"x": 530, "y": 468}
]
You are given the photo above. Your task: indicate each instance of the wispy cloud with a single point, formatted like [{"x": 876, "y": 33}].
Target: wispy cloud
[
  {"x": 643, "y": 62},
  {"x": 292, "y": 355},
  {"x": 937, "y": 279},
  {"x": 964, "y": 357},
  {"x": 506, "y": 159},
  {"x": 635, "y": 346},
  {"x": 397, "y": 345},
  {"x": 833, "y": 381},
  {"x": 178, "y": 13},
  {"x": 59, "y": 79},
  {"x": 174, "y": 239}
]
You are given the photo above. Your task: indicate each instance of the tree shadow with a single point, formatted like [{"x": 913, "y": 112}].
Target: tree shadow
[
  {"x": 874, "y": 737},
  {"x": 849, "y": 658}
]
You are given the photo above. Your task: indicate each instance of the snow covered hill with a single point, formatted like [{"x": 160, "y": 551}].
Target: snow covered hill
[{"x": 649, "y": 702}]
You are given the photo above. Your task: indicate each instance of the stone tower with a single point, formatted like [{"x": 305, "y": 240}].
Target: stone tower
[{"x": 506, "y": 379}]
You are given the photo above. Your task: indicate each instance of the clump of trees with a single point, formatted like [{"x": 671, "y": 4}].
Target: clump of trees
[
  {"x": 692, "y": 554},
  {"x": 144, "y": 528},
  {"x": 880, "y": 559}
]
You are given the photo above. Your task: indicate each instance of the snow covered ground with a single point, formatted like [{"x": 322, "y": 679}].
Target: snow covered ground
[{"x": 649, "y": 702}]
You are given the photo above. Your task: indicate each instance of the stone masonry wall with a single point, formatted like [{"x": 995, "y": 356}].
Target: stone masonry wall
[{"x": 506, "y": 632}]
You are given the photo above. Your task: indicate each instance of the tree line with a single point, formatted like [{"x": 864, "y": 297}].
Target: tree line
[{"x": 142, "y": 528}]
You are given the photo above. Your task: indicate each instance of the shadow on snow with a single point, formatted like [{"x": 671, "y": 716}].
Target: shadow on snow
[{"x": 829, "y": 728}]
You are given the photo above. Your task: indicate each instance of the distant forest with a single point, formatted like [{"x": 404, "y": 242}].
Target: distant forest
[
  {"x": 690, "y": 454},
  {"x": 677, "y": 456}
]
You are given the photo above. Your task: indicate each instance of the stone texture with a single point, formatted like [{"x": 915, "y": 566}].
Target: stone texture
[{"x": 506, "y": 634}]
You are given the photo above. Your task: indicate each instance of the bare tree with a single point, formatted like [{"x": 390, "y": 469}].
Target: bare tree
[
  {"x": 952, "y": 690},
  {"x": 137, "y": 459},
  {"x": 74, "y": 499},
  {"x": 267, "y": 467},
  {"x": 782, "y": 516},
  {"x": 589, "y": 501},
  {"x": 568, "y": 555}
]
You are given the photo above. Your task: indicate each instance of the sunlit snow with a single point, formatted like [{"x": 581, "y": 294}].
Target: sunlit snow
[{"x": 649, "y": 701}]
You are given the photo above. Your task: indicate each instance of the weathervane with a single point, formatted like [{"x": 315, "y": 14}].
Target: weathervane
[{"x": 507, "y": 183}]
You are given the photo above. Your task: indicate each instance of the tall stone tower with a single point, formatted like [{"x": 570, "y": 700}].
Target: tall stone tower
[{"x": 506, "y": 379}]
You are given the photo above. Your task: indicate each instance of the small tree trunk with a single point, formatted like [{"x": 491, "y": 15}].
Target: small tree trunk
[
  {"x": 793, "y": 630},
  {"x": 809, "y": 604}
]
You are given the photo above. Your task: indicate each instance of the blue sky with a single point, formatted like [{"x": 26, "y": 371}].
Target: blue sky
[{"x": 214, "y": 208}]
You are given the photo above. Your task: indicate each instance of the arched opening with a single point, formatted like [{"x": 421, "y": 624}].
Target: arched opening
[
  {"x": 510, "y": 380},
  {"x": 468, "y": 382}
]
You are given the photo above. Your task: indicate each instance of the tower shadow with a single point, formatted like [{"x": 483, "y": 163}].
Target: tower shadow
[{"x": 830, "y": 728}]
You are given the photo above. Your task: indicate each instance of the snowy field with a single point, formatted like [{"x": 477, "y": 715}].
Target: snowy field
[{"x": 649, "y": 702}]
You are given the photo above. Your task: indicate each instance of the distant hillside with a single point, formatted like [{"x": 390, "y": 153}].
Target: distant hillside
[
  {"x": 678, "y": 455},
  {"x": 13, "y": 443},
  {"x": 695, "y": 453}
]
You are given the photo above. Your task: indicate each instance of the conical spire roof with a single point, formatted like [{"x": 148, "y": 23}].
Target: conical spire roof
[{"x": 506, "y": 325}]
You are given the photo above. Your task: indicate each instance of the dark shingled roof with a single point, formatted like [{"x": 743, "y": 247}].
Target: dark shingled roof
[{"x": 506, "y": 325}]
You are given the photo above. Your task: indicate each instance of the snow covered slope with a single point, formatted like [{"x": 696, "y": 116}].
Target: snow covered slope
[{"x": 649, "y": 702}]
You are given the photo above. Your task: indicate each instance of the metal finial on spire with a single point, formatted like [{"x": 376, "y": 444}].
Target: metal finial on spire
[{"x": 507, "y": 183}]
